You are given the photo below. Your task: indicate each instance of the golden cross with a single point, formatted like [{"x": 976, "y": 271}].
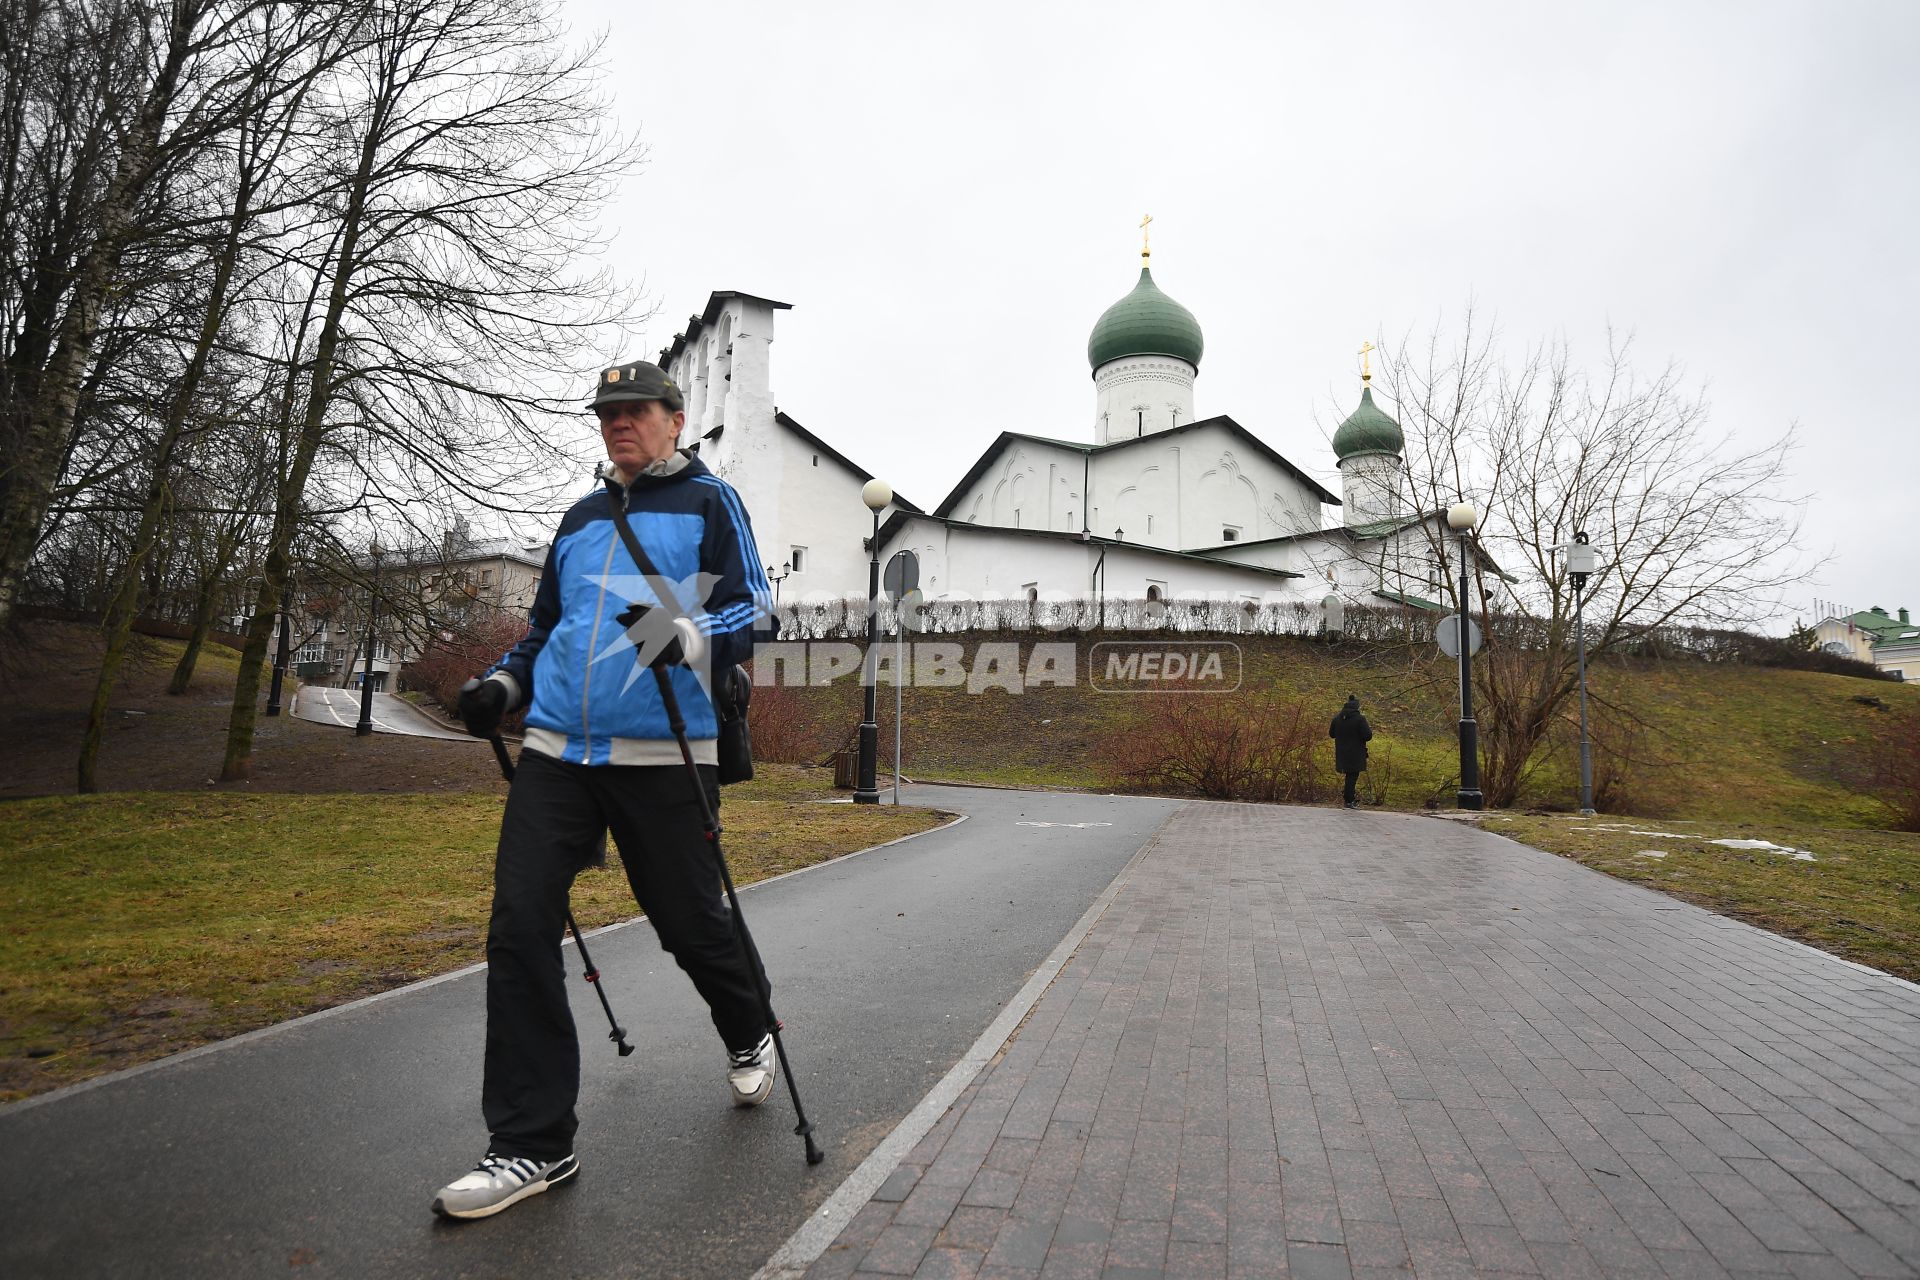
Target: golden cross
[
  {"x": 1366, "y": 365},
  {"x": 1145, "y": 251}
]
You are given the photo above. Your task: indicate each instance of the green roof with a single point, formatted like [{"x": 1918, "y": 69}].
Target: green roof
[
  {"x": 1145, "y": 323},
  {"x": 1414, "y": 602},
  {"x": 1367, "y": 429},
  {"x": 1879, "y": 623}
]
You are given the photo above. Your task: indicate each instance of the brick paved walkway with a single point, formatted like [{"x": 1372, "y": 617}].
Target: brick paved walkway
[{"x": 1322, "y": 1043}]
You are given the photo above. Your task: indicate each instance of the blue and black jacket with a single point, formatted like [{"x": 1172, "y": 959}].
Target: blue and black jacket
[{"x": 592, "y": 699}]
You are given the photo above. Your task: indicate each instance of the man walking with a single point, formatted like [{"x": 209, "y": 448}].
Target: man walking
[
  {"x": 599, "y": 756},
  {"x": 1350, "y": 733}
]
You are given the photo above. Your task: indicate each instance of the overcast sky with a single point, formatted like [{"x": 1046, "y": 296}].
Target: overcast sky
[{"x": 949, "y": 199}]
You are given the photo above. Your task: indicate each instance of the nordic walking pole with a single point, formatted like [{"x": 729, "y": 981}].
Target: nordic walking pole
[
  {"x": 619, "y": 1033},
  {"x": 752, "y": 953}
]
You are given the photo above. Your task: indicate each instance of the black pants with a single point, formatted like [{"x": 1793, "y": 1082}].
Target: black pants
[
  {"x": 1352, "y": 779},
  {"x": 556, "y": 812}
]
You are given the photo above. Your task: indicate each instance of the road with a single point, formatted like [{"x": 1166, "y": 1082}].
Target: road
[
  {"x": 318, "y": 1145},
  {"x": 324, "y": 704}
]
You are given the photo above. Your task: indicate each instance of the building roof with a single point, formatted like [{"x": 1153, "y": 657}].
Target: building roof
[
  {"x": 1005, "y": 438},
  {"x": 1368, "y": 429},
  {"x": 1357, "y": 533},
  {"x": 450, "y": 554},
  {"x": 899, "y": 518},
  {"x": 1145, "y": 323},
  {"x": 1413, "y": 602},
  {"x": 1874, "y": 620},
  {"x": 696, "y": 324}
]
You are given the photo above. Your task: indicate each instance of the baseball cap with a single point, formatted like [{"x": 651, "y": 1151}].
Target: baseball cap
[{"x": 636, "y": 380}]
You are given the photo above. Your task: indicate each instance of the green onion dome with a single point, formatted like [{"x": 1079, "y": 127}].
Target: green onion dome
[
  {"x": 1145, "y": 323},
  {"x": 1367, "y": 429}
]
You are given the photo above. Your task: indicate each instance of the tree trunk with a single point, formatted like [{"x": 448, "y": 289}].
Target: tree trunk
[
  {"x": 118, "y": 623},
  {"x": 202, "y": 624},
  {"x": 320, "y": 390}
]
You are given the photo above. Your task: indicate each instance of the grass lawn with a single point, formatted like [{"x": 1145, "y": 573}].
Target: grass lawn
[
  {"x": 140, "y": 924},
  {"x": 1858, "y": 898}
]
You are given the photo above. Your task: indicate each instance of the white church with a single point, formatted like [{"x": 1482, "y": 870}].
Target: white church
[{"x": 1156, "y": 503}]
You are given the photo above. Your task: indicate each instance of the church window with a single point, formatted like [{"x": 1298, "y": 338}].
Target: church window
[
  {"x": 1149, "y": 524},
  {"x": 1016, "y": 517},
  {"x": 798, "y": 560},
  {"x": 1140, "y": 420},
  {"x": 1154, "y": 592},
  {"x": 1230, "y": 533},
  {"x": 816, "y": 459}
]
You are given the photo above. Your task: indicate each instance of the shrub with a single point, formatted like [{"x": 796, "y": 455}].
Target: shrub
[
  {"x": 453, "y": 657},
  {"x": 781, "y": 728},
  {"x": 1376, "y": 784},
  {"x": 1265, "y": 747}
]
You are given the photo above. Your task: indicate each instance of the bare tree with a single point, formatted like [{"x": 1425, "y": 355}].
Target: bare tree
[
  {"x": 447, "y": 279},
  {"x": 273, "y": 57},
  {"x": 155, "y": 90},
  {"x": 1691, "y": 525}
]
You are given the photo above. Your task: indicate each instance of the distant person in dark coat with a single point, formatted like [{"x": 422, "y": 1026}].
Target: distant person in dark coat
[{"x": 1350, "y": 733}]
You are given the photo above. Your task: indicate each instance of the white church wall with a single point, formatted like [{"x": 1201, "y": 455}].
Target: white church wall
[
  {"x": 725, "y": 378},
  {"x": 967, "y": 562},
  {"x": 1372, "y": 488},
  {"x": 819, "y": 510},
  {"x": 1136, "y": 493},
  {"x": 1139, "y": 395},
  {"x": 1039, "y": 482},
  {"x": 1402, "y": 562},
  {"x": 1128, "y": 574},
  {"x": 1185, "y": 492}
]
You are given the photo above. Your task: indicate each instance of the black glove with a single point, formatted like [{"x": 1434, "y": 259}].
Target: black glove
[
  {"x": 654, "y": 635},
  {"x": 482, "y": 704}
]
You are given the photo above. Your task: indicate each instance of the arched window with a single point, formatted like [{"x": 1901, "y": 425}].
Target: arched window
[
  {"x": 1153, "y": 591},
  {"x": 1033, "y": 595}
]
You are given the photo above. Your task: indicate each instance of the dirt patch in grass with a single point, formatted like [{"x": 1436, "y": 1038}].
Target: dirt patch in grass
[
  {"x": 157, "y": 742},
  {"x": 139, "y": 925},
  {"x": 1858, "y": 897}
]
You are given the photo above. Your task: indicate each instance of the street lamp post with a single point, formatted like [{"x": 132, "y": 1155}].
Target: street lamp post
[
  {"x": 1581, "y": 561},
  {"x": 365, "y": 726},
  {"x": 876, "y": 494},
  {"x": 776, "y": 579},
  {"x": 1461, "y": 517},
  {"x": 283, "y": 653}
]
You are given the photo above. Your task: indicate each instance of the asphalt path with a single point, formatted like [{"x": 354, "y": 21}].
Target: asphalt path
[
  {"x": 324, "y": 704},
  {"x": 318, "y": 1145}
]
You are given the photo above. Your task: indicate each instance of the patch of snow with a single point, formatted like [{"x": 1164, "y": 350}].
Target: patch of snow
[
  {"x": 1663, "y": 835},
  {"x": 1651, "y": 853},
  {"x": 1768, "y": 846}
]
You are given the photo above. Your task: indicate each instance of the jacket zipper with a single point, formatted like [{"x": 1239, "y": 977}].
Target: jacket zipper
[{"x": 593, "y": 639}]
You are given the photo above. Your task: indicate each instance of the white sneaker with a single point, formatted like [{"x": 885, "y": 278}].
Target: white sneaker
[
  {"x": 750, "y": 1073},
  {"x": 498, "y": 1181}
]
